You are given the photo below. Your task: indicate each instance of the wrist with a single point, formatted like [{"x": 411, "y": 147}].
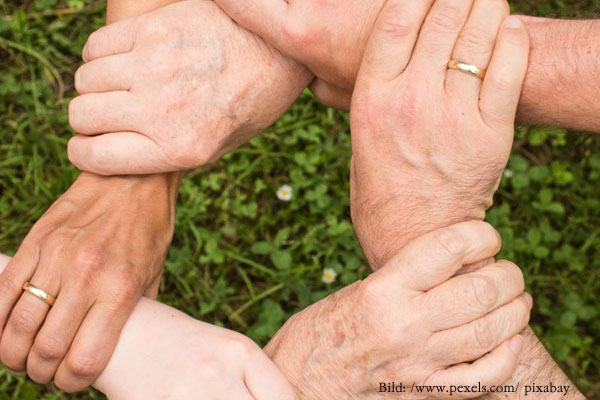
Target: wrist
[{"x": 385, "y": 227}]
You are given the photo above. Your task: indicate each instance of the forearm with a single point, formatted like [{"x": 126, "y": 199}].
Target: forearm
[
  {"x": 536, "y": 366},
  {"x": 563, "y": 78}
]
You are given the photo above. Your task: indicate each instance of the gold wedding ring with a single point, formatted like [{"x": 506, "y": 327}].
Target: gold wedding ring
[
  {"x": 39, "y": 293},
  {"x": 467, "y": 68}
]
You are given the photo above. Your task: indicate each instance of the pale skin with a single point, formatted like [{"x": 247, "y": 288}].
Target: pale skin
[
  {"x": 295, "y": 24},
  {"x": 72, "y": 253},
  {"x": 162, "y": 353},
  {"x": 495, "y": 360},
  {"x": 294, "y": 86},
  {"x": 434, "y": 181},
  {"x": 329, "y": 37}
]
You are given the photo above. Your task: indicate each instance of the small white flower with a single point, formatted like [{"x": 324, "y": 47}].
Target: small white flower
[
  {"x": 508, "y": 173},
  {"x": 329, "y": 275},
  {"x": 285, "y": 192}
]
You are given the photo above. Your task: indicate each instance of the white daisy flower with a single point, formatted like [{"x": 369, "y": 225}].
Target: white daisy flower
[
  {"x": 329, "y": 275},
  {"x": 285, "y": 192},
  {"x": 508, "y": 173}
]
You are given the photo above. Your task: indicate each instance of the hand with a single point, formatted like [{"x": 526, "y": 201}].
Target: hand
[
  {"x": 328, "y": 37},
  {"x": 98, "y": 249},
  {"x": 430, "y": 144},
  {"x": 200, "y": 361},
  {"x": 175, "y": 89},
  {"x": 197, "y": 355},
  {"x": 412, "y": 321}
]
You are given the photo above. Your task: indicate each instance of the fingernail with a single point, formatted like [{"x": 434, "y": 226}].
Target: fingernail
[
  {"x": 516, "y": 344},
  {"x": 513, "y": 22},
  {"x": 527, "y": 297}
]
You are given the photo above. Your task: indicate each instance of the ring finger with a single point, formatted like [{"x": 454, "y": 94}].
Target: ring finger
[
  {"x": 24, "y": 322},
  {"x": 475, "y": 46},
  {"x": 55, "y": 337},
  {"x": 482, "y": 335}
]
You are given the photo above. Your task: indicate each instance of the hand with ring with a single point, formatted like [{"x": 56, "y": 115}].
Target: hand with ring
[
  {"x": 431, "y": 129},
  {"x": 79, "y": 273}
]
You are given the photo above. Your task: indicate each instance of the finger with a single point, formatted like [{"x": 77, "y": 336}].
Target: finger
[
  {"x": 120, "y": 153},
  {"x": 433, "y": 258},
  {"x": 501, "y": 88},
  {"x": 331, "y": 96},
  {"x": 152, "y": 291},
  {"x": 438, "y": 36},
  {"x": 465, "y": 298},
  {"x": 265, "y": 381},
  {"x": 474, "y": 267},
  {"x": 393, "y": 39},
  {"x": 18, "y": 271},
  {"x": 54, "y": 339},
  {"x": 475, "y": 46},
  {"x": 25, "y": 321},
  {"x": 96, "y": 113},
  {"x": 93, "y": 345},
  {"x": 4, "y": 259},
  {"x": 494, "y": 368},
  {"x": 109, "y": 40},
  {"x": 478, "y": 337},
  {"x": 106, "y": 74}
]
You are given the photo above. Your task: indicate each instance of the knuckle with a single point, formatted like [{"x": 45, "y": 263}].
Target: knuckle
[
  {"x": 50, "y": 348},
  {"x": 8, "y": 285},
  {"x": 240, "y": 346},
  {"x": 89, "y": 261},
  {"x": 300, "y": 34},
  {"x": 483, "y": 334},
  {"x": 474, "y": 41},
  {"x": 370, "y": 291},
  {"x": 513, "y": 270},
  {"x": 126, "y": 291},
  {"x": 23, "y": 321},
  {"x": 393, "y": 22},
  {"x": 484, "y": 293},
  {"x": 452, "y": 242},
  {"x": 83, "y": 365},
  {"x": 447, "y": 19}
]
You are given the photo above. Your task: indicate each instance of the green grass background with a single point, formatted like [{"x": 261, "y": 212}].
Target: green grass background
[{"x": 245, "y": 260}]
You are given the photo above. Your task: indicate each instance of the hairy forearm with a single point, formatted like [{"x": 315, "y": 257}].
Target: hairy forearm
[{"x": 563, "y": 79}]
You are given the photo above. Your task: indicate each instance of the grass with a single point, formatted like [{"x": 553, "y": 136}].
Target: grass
[{"x": 245, "y": 260}]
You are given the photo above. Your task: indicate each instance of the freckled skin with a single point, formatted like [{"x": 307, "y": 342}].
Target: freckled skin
[{"x": 198, "y": 91}]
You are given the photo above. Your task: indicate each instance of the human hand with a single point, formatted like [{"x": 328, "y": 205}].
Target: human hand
[
  {"x": 200, "y": 361},
  {"x": 175, "y": 89},
  {"x": 328, "y": 37},
  {"x": 98, "y": 249},
  {"x": 197, "y": 355},
  {"x": 413, "y": 321},
  {"x": 430, "y": 144}
]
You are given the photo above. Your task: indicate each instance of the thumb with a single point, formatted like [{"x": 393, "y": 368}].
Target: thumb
[
  {"x": 435, "y": 257},
  {"x": 119, "y": 153}
]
